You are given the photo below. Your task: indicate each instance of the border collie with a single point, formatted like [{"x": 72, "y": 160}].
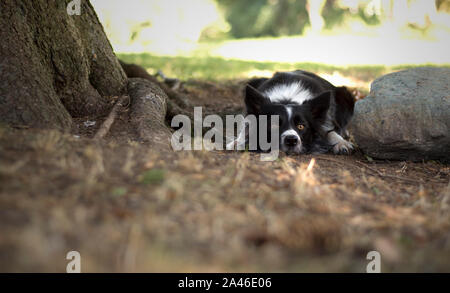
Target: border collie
[{"x": 313, "y": 114}]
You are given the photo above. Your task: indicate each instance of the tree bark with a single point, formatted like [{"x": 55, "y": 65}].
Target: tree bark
[
  {"x": 54, "y": 66},
  {"x": 148, "y": 112}
]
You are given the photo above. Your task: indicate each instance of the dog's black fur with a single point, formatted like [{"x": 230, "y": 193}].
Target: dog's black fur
[{"x": 313, "y": 114}]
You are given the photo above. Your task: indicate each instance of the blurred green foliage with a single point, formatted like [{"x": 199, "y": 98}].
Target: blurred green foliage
[
  {"x": 219, "y": 69},
  {"x": 274, "y": 18},
  {"x": 259, "y": 18},
  {"x": 443, "y": 5},
  {"x": 178, "y": 27}
]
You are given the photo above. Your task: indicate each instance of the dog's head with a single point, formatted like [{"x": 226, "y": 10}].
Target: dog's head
[{"x": 297, "y": 123}]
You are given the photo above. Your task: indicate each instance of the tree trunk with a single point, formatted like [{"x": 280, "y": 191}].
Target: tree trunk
[{"x": 54, "y": 66}]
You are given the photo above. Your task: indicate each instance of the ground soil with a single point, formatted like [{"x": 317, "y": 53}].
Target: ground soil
[{"x": 127, "y": 207}]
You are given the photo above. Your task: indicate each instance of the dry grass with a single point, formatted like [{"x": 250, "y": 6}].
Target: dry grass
[{"x": 128, "y": 208}]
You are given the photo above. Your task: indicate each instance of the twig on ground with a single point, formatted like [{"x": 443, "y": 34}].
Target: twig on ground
[
  {"x": 104, "y": 128},
  {"x": 397, "y": 177},
  {"x": 377, "y": 171}
]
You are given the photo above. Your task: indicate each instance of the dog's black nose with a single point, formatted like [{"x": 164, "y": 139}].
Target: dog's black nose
[{"x": 291, "y": 140}]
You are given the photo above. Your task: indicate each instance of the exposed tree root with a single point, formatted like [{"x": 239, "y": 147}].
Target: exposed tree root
[
  {"x": 148, "y": 111},
  {"x": 136, "y": 71}
]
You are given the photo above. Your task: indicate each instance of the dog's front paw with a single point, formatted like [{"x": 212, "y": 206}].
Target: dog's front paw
[{"x": 343, "y": 148}]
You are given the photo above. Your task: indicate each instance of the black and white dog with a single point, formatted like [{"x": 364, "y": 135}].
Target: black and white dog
[{"x": 313, "y": 114}]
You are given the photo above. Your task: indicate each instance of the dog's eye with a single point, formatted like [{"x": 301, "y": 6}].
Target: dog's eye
[{"x": 301, "y": 127}]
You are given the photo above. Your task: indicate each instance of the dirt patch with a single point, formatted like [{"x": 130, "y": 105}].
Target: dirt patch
[{"x": 129, "y": 208}]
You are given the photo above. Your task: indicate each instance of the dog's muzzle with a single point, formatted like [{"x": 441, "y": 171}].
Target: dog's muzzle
[{"x": 291, "y": 142}]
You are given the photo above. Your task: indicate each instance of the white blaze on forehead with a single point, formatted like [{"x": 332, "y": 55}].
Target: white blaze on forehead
[
  {"x": 289, "y": 111},
  {"x": 289, "y": 131},
  {"x": 294, "y": 92}
]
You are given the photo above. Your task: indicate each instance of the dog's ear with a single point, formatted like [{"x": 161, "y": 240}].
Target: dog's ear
[
  {"x": 320, "y": 105},
  {"x": 254, "y": 100}
]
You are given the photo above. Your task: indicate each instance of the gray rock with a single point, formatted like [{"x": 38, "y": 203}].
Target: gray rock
[{"x": 406, "y": 116}]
